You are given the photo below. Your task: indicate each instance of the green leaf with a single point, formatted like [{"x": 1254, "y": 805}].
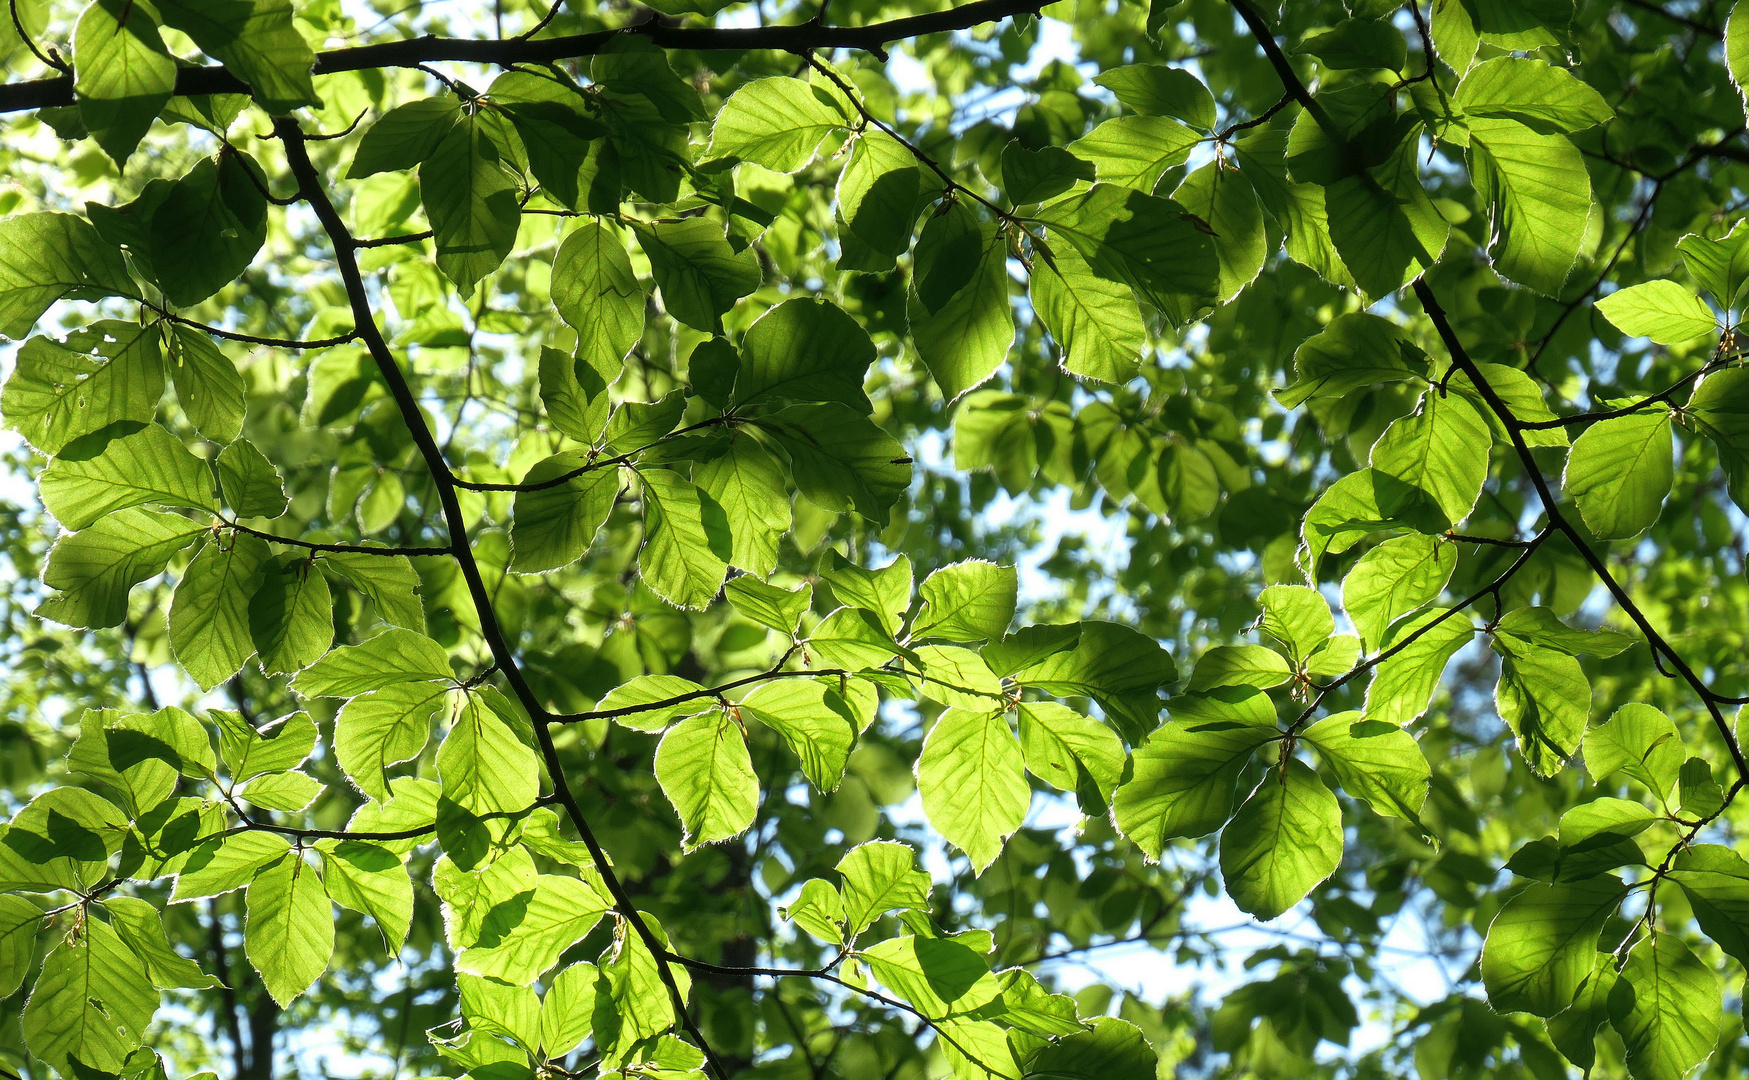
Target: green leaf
[
  {"x": 382, "y": 728},
  {"x": 91, "y": 1002},
  {"x": 1069, "y": 751},
  {"x": 1356, "y": 350},
  {"x": 1120, "y": 668},
  {"x": 813, "y": 719},
  {"x": 1298, "y": 618},
  {"x": 642, "y": 701},
  {"x": 1384, "y": 225},
  {"x": 1285, "y": 839},
  {"x": 141, "y": 927},
  {"x": 852, "y": 638},
  {"x": 209, "y": 614},
  {"x": 972, "y": 776},
  {"x": 501, "y": 1010},
  {"x": 1574, "y": 1029},
  {"x": 288, "y": 792},
  {"x": 469, "y": 193},
  {"x": 631, "y": 64},
  {"x": 1662, "y": 310},
  {"x": 251, "y": 486},
  {"x": 1158, "y": 90},
  {"x": 20, "y": 919},
  {"x": 879, "y": 877},
  {"x": 1032, "y": 176},
  {"x": 289, "y": 932},
  {"x": 1619, "y": 472},
  {"x": 780, "y": 609},
  {"x": 597, "y": 293},
  {"x": 405, "y": 136},
  {"x": 281, "y": 744},
  {"x": 105, "y": 374},
  {"x": 1538, "y": 626},
  {"x": 879, "y": 192},
  {"x": 1540, "y": 947},
  {"x": 687, "y": 543},
  {"x": 291, "y": 615},
  {"x": 635, "y": 425},
  {"x": 1182, "y": 783},
  {"x": 1126, "y": 235},
  {"x": 567, "y": 1010},
  {"x": 699, "y": 274},
  {"x": 648, "y": 153},
  {"x": 840, "y": 460},
  {"x": 1357, "y": 44},
  {"x": 220, "y": 866},
  {"x": 553, "y": 526},
  {"x": 257, "y": 41},
  {"x": 704, "y": 769},
  {"x": 1095, "y": 322},
  {"x": 1441, "y": 452},
  {"x": 94, "y": 569},
  {"x": 120, "y": 467},
  {"x": 1720, "y": 266},
  {"x": 1719, "y": 409},
  {"x": 1402, "y": 686},
  {"x": 523, "y": 938},
  {"x": 819, "y": 910},
  {"x": 141, "y": 757},
  {"x": 209, "y": 227},
  {"x": 484, "y": 765},
  {"x": 1361, "y": 504},
  {"x": 1544, "y": 97},
  {"x": 748, "y": 483},
  {"x": 391, "y": 657},
  {"x": 1538, "y": 195},
  {"x": 1399, "y": 576},
  {"x": 1737, "y": 49},
  {"x": 1716, "y": 881},
  {"x": 1132, "y": 151},
  {"x": 958, "y": 307},
  {"x": 1523, "y": 400},
  {"x": 389, "y": 581},
  {"x": 1383, "y": 767},
  {"x": 939, "y": 977},
  {"x": 967, "y": 601},
  {"x": 1028, "y": 1006},
  {"x": 1224, "y": 198},
  {"x": 125, "y": 75},
  {"x": 1114, "y": 1050},
  {"x": 1640, "y": 741},
  {"x": 775, "y": 122},
  {"x": 1667, "y": 1006},
  {"x": 1239, "y": 665},
  {"x": 957, "y": 677},
  {"x": 45, "y": 257},
  {"x": 805, "y": 350},
  {"x": 564, "y": 143}
]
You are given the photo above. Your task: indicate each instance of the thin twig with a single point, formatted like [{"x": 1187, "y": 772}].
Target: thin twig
[{"x": 251, "y": 339}]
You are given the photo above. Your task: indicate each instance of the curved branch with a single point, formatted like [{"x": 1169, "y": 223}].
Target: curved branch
[
  {"x": 311, "y": 188},
  {"x": 802, "y": 38},
  {"x": 338, "y": 549}
]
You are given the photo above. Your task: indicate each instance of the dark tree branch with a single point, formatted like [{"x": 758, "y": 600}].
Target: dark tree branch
[
  {"x": 312, "y": 190},
  {"x": 342, "y": 549},
  {"x": 250, "y": 339},
  {"x": 1662, "y": 650},
  {"x": 799, "y": 39},
  {"x": 1558, "y": 520}
]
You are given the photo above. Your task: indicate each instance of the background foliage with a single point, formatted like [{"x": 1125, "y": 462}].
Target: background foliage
[{"x": 1102, "y": 541}]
